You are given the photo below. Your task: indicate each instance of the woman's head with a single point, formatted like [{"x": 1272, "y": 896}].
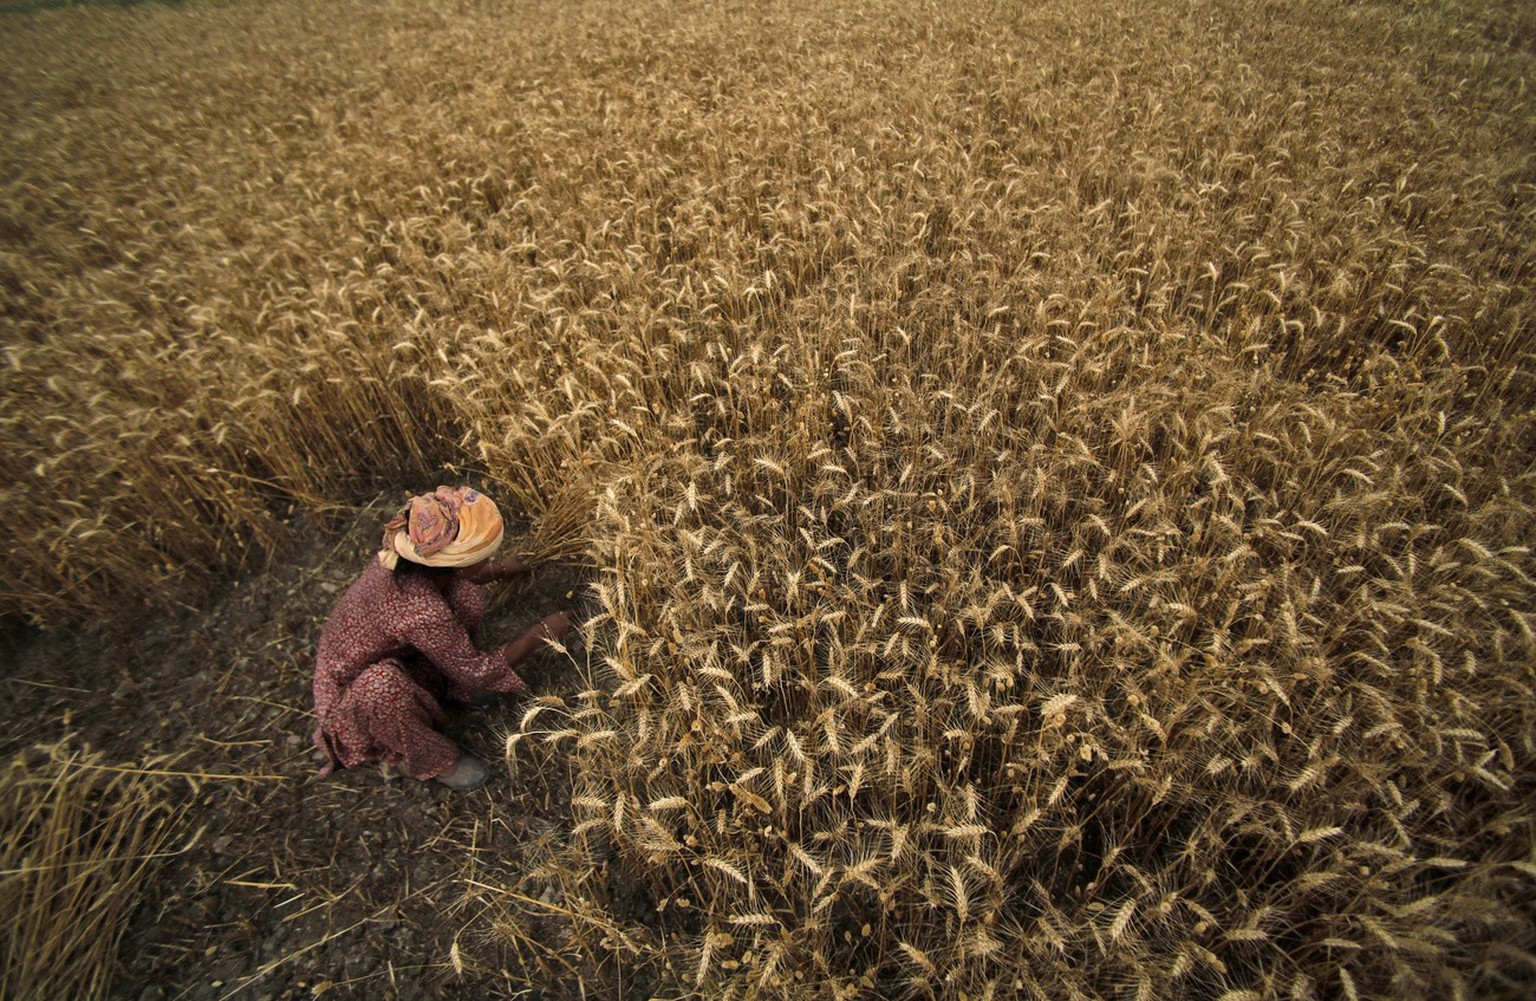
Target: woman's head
[{"x": 448, "y": 528}]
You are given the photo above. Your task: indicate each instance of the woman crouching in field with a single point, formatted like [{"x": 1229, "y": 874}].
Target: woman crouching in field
[{"x": 402, "y": 639}]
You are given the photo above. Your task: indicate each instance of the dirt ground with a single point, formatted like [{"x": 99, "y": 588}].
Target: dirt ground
[{"x": 292, "y": 887}]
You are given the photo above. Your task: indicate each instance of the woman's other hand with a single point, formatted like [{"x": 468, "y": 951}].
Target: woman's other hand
[
  {"x": 555, "y": 626},
  {"x": 550, "y": 629}
]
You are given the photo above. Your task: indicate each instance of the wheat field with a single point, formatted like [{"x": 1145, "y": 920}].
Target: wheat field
[{"x": 1057, "y": 477}]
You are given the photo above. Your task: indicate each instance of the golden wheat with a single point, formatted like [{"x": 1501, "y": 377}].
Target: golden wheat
[{"x": 1057, "y": 478}]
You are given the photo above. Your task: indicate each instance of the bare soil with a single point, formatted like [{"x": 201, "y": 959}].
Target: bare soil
[{"x": 291, "y": 886}]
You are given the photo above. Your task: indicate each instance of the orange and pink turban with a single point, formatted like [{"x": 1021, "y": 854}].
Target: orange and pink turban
[{"x": 450, "y": 527}]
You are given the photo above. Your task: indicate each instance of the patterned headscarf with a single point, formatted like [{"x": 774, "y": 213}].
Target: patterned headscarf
[{"x": 450, "y": 527}]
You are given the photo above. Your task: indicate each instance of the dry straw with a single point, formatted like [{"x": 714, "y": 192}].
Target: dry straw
[{"x": 79, "y": 843}]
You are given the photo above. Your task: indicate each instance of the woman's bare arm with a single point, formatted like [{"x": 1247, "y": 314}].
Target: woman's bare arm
[
  {"x": 491, "y": 571},
  {"x": 550, "y": 628}
]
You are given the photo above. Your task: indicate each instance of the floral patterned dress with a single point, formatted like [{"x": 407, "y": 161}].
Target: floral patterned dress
[{"x": 393, "y": 649}]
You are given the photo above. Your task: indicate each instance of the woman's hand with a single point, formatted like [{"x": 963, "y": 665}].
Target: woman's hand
[
  {"x": 550, "y": 629},
  {"x": 554, "y": 626},
  {"x": 511, "y": 566}
]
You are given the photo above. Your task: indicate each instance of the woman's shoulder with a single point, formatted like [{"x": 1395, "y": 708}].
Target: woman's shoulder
[
  {"x": 410, "y": 598},
  {"x": 376, "y": 589},
  {"x": 362, "y": 607},
  {"x": 375, "y": 579}
]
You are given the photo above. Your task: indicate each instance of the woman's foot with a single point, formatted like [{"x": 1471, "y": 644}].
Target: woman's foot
[{"x": 466, "y": 774}]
